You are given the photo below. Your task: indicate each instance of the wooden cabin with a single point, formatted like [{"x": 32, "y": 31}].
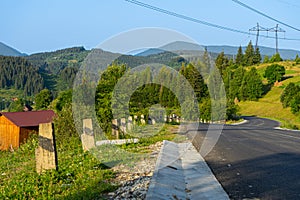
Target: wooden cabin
[{"x": 15, "y": 127}]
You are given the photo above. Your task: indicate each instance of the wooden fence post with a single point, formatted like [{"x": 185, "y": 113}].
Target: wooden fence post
[
  {"x": 87, "y": 138},
  {"x": 46, "y": 155},
  {"x": 115, "y": 128},
  {"x": 129, "y": 123},
  {"x": 143, "y": 122},
  {"x": 123, "y": 125}
]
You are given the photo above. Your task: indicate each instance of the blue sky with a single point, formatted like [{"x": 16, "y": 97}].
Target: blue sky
[{"x": 33, "y": 26}]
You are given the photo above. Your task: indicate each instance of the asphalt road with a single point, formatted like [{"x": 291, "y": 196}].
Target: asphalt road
[{"x": 254, "y": 160}]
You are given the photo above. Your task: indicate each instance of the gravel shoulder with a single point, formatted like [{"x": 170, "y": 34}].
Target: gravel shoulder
[{"x": 134, "y": 181}]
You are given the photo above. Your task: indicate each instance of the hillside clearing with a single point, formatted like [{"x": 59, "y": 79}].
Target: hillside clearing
[{"x": 270, "y": 106}]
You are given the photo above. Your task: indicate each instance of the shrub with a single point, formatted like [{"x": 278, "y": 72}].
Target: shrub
[
  {"x": 274, "y": 73},
  {"x": 275, "y": 58}
]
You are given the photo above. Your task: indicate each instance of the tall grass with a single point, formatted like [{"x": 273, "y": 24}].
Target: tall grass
[{"x": 79, "y": 175}]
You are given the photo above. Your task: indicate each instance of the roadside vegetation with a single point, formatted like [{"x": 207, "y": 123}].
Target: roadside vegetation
[
  {"x": 278, "y": 101},
  {"x": 265, "y": 87},
  {"x": 79, "y": 176}
]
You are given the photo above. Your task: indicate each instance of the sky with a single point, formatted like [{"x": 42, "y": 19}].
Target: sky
[{"x": 33, "y": 26}]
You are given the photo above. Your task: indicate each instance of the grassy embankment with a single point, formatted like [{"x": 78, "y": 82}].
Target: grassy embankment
[
  {"x": 270, "y": 106},
  {"x": 80, "y": 174}
]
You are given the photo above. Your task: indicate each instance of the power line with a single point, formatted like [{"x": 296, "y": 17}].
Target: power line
[
  {"x": 257, "y": 28},
  {"x": 276, "y": 30},
  {"x": 148, "y": 6},
  {"x": 184, "y": 16},
  {"x": 265, "y": 15}
]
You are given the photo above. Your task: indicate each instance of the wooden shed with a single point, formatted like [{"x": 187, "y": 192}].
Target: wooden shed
[{"x": 15, "y": 127}]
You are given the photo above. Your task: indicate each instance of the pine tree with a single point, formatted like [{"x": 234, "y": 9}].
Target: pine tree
[
  {"x": 252, "y": 86},
  {"x": 257, "y": 56},
  {"x": 222, "y": 62},
  {"x": 275, "y": 58},
  {"x": 236, "y": 83},
  {"x": 239, "y": 56},
  {"x": 196, "y": 80},
  {"x": 266, "y": 59},
  {"x": 249, "y": 55}
]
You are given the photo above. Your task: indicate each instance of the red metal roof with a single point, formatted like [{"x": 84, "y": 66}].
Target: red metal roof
[{"x": 31, "y": 118}]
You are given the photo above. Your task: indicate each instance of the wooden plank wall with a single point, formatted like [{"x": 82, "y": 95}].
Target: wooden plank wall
[{"x": 9, "y": 134}]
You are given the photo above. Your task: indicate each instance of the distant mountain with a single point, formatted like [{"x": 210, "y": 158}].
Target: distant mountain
[
  {"x": 286, "y": 54},
  {"x": 172, "y": 47},
  {"x": 9, "y": 51}
]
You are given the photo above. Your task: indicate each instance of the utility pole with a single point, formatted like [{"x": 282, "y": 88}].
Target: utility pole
[
  {"x": 257, "y": 28},
  {"x": 276, "y": 29}
]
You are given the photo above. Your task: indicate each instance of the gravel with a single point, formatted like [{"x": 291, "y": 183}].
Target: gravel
[{"x": 134, "y": 181}]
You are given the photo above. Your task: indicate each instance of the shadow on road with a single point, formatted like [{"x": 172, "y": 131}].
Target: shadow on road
[{"x": 275, "y": 176}]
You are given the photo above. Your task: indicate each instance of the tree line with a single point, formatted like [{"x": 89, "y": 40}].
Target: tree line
[{"x": 18, "y": 73}]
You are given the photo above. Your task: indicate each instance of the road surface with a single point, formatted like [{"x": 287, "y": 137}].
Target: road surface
[{"x": 254, "y": 160}]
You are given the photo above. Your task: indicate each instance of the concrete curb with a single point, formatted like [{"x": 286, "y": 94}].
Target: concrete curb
[
  {"x": 286, "y": 129},
  {"x": 182, "y": 173},
  {"x": 239, "y": 123}
]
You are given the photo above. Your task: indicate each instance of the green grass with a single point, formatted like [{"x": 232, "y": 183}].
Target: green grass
[
  {"x": 288, "y": 72},
  {"x": 80, "y": 175},
  {"x": 130, "y": 153},
  {"x": 157, "y": 134},
  {"x": 270, "y": 106}
]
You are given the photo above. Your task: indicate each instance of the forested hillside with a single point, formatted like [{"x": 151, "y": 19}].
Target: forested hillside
[
  {"x": 243, "y": 75},
  {"x": 18, "y": 73}
]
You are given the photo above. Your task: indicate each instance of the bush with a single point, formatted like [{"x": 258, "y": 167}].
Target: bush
[
  {"x": 274, "y": 73},
  {"x": 297, "y": 60},
  {"x": 275, "y": 58}
]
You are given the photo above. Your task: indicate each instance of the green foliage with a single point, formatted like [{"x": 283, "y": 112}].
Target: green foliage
[
  {"x": 222, "y": 62},
  {"x": 257, "y": 56},
  {"x": 275, "y": 58},
  {"x": 249, "y": 55},
  {"x": 43, "y": 99},
  {"x": 142, "y": 146},
  {"x": 196, "y": 80},
  {"x": 297, "y": 59},
  {"x": 290, "y": 97},
  {"x": 16, "y": 105},
  {"x": 19, "y": 74},
  {"x": 105, "y": 87},
  {"x": 232, "y": 110},
  {"x": 252, "y": 86},
  {"x": 274, "y": 73},
  {"x": 64, "y": 99},
  {"x": 236, "y": 83},
  {"x": 266, "y": 59},
  {"x": 65, "y": 129},
  {"x": 239, "y": 56},
  {"x": 142, "y": 98},
  {"x": 252, "y": 56},
  {"x": 205, "y": 110},
  {"x": 66, "y": 78},
  {"x": 288, "y": 94},
  {"x": 295, "y": 104},
  {"x": 55, "y": 62},
  {"x": 79, "y": 176}
]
